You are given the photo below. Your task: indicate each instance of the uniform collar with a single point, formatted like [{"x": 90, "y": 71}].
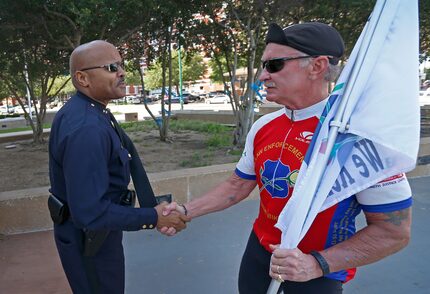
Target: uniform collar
[
  {"x": 305, "y": 113},
  {"x": 91, "y": 101}
]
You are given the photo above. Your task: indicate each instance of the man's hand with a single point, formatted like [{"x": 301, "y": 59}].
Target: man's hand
[
  {"x": 172, "y": 208},
  {"x": 170, "y": 224},
  {"x": 293, "y": 265}
]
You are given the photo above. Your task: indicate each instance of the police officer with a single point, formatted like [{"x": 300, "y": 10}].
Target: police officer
[{"x": 89, "y": 173}]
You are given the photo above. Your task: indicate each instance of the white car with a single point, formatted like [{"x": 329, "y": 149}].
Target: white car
[
  {"x": 7, "y": 110},
  {"x": 221, "y": 98}
]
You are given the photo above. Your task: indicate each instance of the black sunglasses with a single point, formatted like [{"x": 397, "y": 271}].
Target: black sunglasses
[
  {"x": 113, "y": 67},
  {"x": 277, "y": 64}
]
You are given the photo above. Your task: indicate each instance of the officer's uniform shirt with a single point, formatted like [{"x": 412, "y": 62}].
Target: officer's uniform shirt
[{"x": 89, "y": 168}]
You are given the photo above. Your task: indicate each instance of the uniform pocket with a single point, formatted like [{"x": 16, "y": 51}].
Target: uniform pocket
[{"x": 124, "y": 158}]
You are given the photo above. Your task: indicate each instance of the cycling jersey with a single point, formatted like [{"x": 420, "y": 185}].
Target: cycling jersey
[{"x": 274, "y": 150}]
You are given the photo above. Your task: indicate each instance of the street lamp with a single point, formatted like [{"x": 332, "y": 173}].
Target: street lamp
[{"x": 181, "y": 100}]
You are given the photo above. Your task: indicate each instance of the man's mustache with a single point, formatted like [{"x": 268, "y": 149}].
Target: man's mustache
[{"x": 269, "y": 84}]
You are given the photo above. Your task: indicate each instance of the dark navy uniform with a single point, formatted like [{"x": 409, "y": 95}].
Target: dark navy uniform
[{"x": 89, "y": 170}]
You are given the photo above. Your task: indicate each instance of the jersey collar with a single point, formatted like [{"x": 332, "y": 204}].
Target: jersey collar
[{"x": 308, "y": 112}]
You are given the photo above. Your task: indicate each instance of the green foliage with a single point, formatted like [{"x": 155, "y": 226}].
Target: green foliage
[
  {"x": 219, "y": 140},
  {"x": 192, "y": 69},
  {"x": 13, "y": 130},
  {"x": 197, "y": 160},
  {"x": 62, "y": 85},
  {"x": 217, "y": 72},
  {"x": 427, "y": 72},
  {"x": 38, "y": 36},
  {"x": 9, "y": 115},
  {"x": 219, "y": 135},
  {"x": 424, "y": 16},
  {"x": 198, "y": 126},
  {"x": 139, "y": 126}
]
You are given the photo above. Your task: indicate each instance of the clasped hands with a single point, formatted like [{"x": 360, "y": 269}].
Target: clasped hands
[{"x": 171, "y": 218}]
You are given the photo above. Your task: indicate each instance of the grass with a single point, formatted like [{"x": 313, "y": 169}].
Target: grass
[
  {"x": 139, "y": 126},
  {"x": 198, "y": 159},
  {"x": 218, "y": 136},
  {"x": 45, "y": 126}
]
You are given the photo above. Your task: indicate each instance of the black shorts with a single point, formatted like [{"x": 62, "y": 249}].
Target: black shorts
[{"x": 254, "y": 275}]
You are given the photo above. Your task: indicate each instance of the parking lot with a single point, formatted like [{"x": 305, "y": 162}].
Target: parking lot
[{"x": 155, "y": 108}]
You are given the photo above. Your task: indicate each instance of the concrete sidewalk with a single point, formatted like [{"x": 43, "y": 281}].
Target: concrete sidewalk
[{"x": 205, "y": 258}]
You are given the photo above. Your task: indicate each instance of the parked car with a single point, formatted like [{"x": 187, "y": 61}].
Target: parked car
[
  {"x": 190, "y": 97},
  {"x": 7, "y": 109},
  {"x": 156, "y": 94},
  {"x": 215, "y": 93},
  {"x": 176, "y": 99},
  {"x": 221, "y": 98},
  {"x": 18, "y": 109},
  {"x": 137, "y": 100}
]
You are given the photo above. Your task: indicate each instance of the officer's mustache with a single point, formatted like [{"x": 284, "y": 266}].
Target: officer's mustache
[{"x": 121, "y": 81}]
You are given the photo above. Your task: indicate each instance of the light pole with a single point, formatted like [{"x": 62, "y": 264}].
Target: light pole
[{"x": 181, "y": 100}]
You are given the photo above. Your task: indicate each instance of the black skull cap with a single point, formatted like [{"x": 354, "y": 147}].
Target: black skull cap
[{"x": 313, "y": 38}]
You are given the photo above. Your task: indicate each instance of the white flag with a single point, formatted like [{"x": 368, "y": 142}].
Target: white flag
[{"x": 379, "y": 120}]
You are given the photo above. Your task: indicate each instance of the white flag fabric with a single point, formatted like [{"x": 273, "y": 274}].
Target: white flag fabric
[{"x": 376, "y": 102}]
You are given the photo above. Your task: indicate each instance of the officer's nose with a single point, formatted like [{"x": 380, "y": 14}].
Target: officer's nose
[{"x": 121, "y": 71}]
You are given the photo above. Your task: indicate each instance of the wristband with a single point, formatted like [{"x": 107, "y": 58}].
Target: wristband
[
  {"x": 185, "y": 209},
  {"x": 322, "y": 262}
]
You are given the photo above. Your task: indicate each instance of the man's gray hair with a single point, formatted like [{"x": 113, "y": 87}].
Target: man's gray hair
[{"x": 331, "y": 73}]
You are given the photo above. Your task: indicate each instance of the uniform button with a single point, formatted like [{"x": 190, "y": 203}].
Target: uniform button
[
  {"x": 129, "y": 155},
  {"x": 92, "y": 104},
  {"x": 144, "y": 227},
  {"x": 151, "y": 226}
]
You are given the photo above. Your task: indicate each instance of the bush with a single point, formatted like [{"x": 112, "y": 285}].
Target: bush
[{"x": 9, "y": 115}]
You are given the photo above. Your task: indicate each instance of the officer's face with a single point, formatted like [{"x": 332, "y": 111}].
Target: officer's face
[{"x": 106, "y": 80}]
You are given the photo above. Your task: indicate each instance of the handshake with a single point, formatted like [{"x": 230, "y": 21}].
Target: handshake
[{"x": 172, "y": 218}]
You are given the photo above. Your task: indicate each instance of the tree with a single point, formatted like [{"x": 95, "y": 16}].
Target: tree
[
  {"x": 38, "y": 36},
  {"x": 30, "y": 66},
  {"x": 152, "y": 44},
  {"x": 232, "y": 33},
  {"x": 424, "y": 11},
  {"x": 192, "y": 69}
]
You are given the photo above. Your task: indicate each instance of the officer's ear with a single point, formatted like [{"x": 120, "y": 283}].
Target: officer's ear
[
  {"x": 81, "y": 79},
  {"x": 319, "y": 67}
]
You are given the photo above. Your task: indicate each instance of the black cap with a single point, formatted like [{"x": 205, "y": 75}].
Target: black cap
[{"x": 313, "y": 38}]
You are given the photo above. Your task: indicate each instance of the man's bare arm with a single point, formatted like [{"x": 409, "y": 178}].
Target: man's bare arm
[
  {"x": 385, "y": 234},
  {"x": 222, "y": 196}
]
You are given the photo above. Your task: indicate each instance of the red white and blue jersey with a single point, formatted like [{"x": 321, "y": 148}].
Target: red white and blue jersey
[{"x": 274, "y": 151}]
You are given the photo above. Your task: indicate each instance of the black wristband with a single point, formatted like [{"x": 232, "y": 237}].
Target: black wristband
[
  {"x": 322, "y": 262},
  {"x": 185, "y": 209}
]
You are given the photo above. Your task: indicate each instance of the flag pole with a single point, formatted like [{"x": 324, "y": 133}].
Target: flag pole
[{"x": 338, "y": 124}]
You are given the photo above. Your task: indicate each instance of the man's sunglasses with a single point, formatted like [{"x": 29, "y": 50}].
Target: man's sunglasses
[
  {"x": 277, "y": 64},
  {"x": 113, "y": 67}
]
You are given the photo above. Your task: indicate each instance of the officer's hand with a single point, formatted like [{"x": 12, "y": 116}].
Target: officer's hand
[{"x": 172, "y": 223}]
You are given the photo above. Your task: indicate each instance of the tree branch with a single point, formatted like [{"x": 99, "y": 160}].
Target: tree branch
[{"x": 63, "y": 16}]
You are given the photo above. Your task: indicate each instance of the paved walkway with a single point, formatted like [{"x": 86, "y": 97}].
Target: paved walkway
[{"x": 205, "y": 258}]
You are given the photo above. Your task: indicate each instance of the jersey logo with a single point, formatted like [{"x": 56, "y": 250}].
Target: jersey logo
[
  {"x": 305, "y": 137},
  {"x": 277, "y": 178}
]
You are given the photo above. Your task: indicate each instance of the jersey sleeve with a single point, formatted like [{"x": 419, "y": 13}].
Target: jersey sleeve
[
  {"x": 389, "y": 195},
  {"x": 245, "y": 166}
]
